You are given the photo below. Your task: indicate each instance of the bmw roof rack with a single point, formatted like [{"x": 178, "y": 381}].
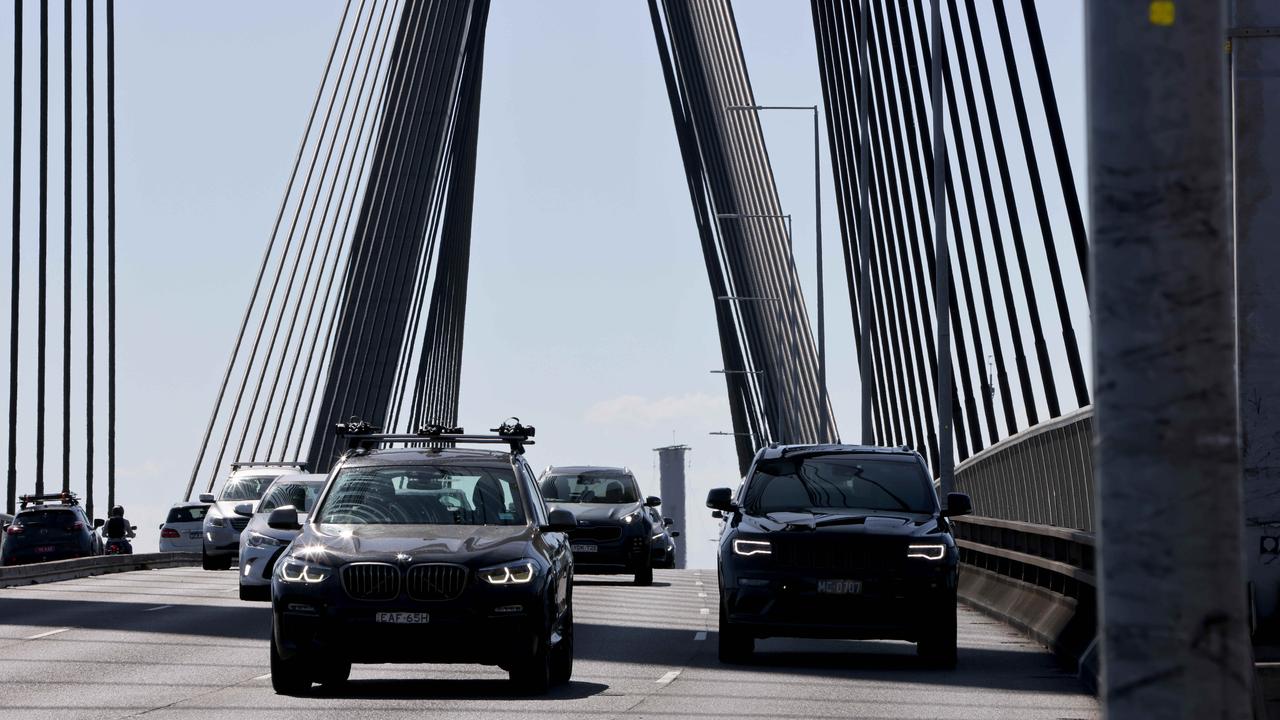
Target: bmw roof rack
[
  {"x": 63, "y": 498},
  {"x": 363, "y": 436},
  {"x": 267, "y": 463}
]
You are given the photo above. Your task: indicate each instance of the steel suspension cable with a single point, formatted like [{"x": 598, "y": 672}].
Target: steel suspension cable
[{"x": 15, "y": 287}]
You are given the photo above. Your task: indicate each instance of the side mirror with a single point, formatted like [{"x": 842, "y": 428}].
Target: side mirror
[
  {"x": 721, "y": 499},
  {"x": 284, "y": 518},
  {"x": 208, "y": 498},
  {"x": 160, "y": 527},
  {"x": 668, "y": 522},
  {"x": 133, "y": 527},
  {"x": 675, "y": 533},
  {"x": 244, "y": 510},
  {"x": 717, "y": 514},
  {"x": 560, "y": 520},
  {"x": 99, "y": 522},
  {"x": 653, "y": 501},
  {"x": 957, "y": 504}
]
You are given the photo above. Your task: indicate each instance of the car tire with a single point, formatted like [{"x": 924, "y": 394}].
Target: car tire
[
  {"x": 532, "y": 675},
  {"x": 736, "y": 646},
  {"x": 288, "y": 677},
  {"x": 255, "y": 593},
  {"x": 332, "y": 673},
  {"x": 214, "y": 562},
  {"x": 644, "y": 576},
  {"x": 562, "y": 654},
  {"x": 938, "y": 648}
]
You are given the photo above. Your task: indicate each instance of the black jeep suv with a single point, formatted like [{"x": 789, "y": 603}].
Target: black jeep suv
[
  {"x": 838, "y": 541},
  {"x": 616, "y": 532},
  {"x": 425, "y": 554}
]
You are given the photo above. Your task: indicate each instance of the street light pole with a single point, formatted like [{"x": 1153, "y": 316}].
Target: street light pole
[{"x": 817, "y": 224}]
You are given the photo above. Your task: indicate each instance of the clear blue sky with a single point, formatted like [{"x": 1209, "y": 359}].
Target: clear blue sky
[{"x": 582, "y": 215}]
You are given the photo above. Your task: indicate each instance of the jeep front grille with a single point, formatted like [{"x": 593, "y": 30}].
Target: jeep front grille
[
  {"x": 436, "y": 581},
  {"x": 371, "y": 581}
]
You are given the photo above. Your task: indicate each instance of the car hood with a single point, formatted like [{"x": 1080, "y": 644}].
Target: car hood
[
  {"x": 422, "y": 543},
  {"x": 879, "y": 523},
  {"x": 599, "y": 512}
]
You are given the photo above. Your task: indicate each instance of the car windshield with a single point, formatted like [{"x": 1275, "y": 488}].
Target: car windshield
[
  {"x": 246, "y": 488},
  {"x": 47, "y": 518},
  {"x": 301, "y": 495},
  {"x": 594, "y": 486},
  {"x": 835, "y": 482},
  {"x": 439, "y": 494},
  {"x": 194, "y": 513}
]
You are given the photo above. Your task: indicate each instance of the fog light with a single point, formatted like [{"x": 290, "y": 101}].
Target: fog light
[{"x": 508, "y": 609}]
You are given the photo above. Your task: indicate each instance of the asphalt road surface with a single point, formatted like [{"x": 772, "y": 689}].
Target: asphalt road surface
[{"x": 179, "y": 644}]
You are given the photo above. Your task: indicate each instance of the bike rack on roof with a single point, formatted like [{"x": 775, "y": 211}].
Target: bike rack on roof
[
  {"x": 267, "y": 463},
  {"x": 363, "y": 436}
]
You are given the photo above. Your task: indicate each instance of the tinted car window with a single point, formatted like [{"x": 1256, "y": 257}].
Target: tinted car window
[
  {"x": 47, "y": 518},
  {"x": 838, "y": 482},
  {"x": 591, "y": 487},
  {"x": 186, "y": 514},
  {"x": 246, "y": 488},
  {"x": 302, "y": 496},
  {"x": 424, "y": 495}
]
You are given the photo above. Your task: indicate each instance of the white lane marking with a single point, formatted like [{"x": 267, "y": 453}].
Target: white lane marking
[
  {"x": 702, "y": 594},
  {"x": 666, "y": 679},
  {"x": 263, "y": 677},
  {"x": 700, "y": 635},
  {"x": 158, "y": 607},
  {"x": 47, "y": 634},
  {"x": 704, "y": 611},
  {"x": 697, "y": 582}
]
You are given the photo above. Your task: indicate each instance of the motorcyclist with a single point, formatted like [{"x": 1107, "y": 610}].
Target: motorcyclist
[{"x": 117, "y": 528}]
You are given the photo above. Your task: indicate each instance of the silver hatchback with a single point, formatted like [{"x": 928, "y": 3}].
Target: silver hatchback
[{"x": 222, "y": 526}]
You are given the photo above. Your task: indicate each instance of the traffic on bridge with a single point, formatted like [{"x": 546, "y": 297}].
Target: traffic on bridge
[{"x": 443, "y": 428}]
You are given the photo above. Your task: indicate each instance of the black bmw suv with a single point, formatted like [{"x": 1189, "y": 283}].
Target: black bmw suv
[
  {"x": 838, "y": 541},
  {"x": 616, "y": 533},
  {"x": 425, "y": 554}
]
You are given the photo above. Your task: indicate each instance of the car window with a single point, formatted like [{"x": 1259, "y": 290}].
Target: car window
[
  {"x": 193, "y": 513},
  {"x": 46, "y": 518},
  {"x": 436, "y": 494},
  {"x": 246, "y": 488},
  {"x": 302, "y": 496},
  {"x": 539, "y": 505},
  {"x": 834, "y": 482},
  {"x": 592, "y": 486}
]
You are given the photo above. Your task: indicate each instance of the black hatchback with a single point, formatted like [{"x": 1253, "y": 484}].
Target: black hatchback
[
  {"x": 49, "y": 527},
  {"x": 425, "y": 554},
  {"x": 838, "y": 541}
]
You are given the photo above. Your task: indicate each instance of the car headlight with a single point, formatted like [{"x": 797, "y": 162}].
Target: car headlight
[
  {"x": 930, "y": 551},
  {"x": 747, "y": 548},
  {"x": 293, "y": 570},
  {"x": 631, "y": 517},
  {"x": 216, "y": 521},
  {"x": 516, "y": 573},
  {"x": 258, "y": 540}
]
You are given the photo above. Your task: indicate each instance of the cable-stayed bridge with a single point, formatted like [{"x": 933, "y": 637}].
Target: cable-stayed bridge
[{"x": 979, "y": 279}]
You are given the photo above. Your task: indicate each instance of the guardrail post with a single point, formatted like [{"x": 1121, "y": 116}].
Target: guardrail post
[{"x": 1173, "y": 627}]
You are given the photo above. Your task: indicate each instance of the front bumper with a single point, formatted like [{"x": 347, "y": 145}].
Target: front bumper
[
  {"x": 488, "y": 626},
  {"x": 221, "y": 541},
  {"x": 626, "y": 554},
  {"x": 906, "y": 605}
]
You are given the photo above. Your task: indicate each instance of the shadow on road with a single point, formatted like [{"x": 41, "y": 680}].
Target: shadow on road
[
  {"x": 592, "y": 581},
  {"x": 451, "y": 690}
]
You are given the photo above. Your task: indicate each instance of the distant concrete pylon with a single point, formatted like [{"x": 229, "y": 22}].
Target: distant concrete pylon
[{"x": 671, "y": 485}]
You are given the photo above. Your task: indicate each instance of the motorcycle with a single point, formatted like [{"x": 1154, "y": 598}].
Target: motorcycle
[{"x": 119, "y": 546}]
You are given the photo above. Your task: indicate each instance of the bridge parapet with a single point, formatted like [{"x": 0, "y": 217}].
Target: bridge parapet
[{"x": 1042, "y": 475}]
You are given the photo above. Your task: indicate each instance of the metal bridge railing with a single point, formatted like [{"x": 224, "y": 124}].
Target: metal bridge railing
[{"x": 1042, "y": 475}]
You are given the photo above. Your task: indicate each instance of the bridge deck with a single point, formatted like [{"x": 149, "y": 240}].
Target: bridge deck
[{"x": 179, "y": 644}]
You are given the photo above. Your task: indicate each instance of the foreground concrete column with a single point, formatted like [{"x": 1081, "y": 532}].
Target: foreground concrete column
[
  {"x": 1255, "y": 86},
  {"x": 1172, "y": 592}
]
